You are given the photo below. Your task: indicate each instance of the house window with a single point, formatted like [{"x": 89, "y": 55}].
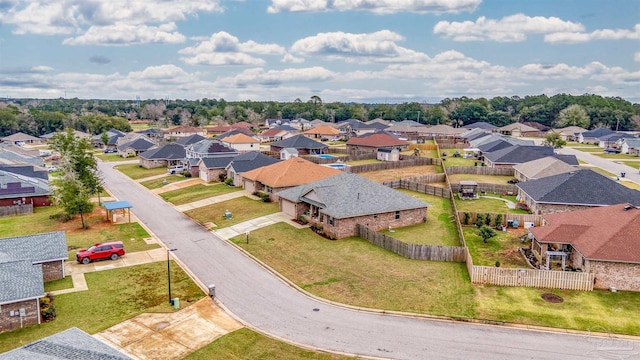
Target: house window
[
  {"x": 375, "y": 216},
  {"x": 397, "y": 215},
  {"x": 330, "y": 221},
  {"x": 321, "y": 217}
]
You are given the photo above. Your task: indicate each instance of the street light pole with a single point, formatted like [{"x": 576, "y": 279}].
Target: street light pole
[{"x": 169, "y": 272}]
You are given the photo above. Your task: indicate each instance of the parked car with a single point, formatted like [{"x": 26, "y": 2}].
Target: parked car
[
  {"x": 611, "y": 151},
  {"x": 175, "y": 169},
  {"x": 513, "y": 181},
  {"x": 110, "y": 150},
  {"x": 52, "y": 168},
  {"x": 101, "y": 251}
]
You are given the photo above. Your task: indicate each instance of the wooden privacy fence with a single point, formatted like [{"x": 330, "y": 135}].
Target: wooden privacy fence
[
  {"x": 427, "y": 179},
  {"x": 419, "y": 187},
  {"x": 414, "y": 161},
  {"x": 522, "y": 218},
  {"x": 491, "y": 188},
  {"x": 16, "y": 210},
  {"x": 480, "y": 170},
  {"x": 566, "y": 280},
  {"x": 452, "y": 145},
  {"x": 423, "y": 146},
  {"x": 413, "y": 251}
]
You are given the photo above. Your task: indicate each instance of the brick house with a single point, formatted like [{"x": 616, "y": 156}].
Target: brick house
[
  {"x": 540, "y": 168},
  {"x": 26, "y": 262},
  {"x": 516, "y": 154},
  {"x": 602, "y": 241},
  {"x": 303, "y": 144},
  {"x": 21, "y": 139},
  {"x": 182, "y": 131},
  {"x": 210, "y": 169},
  {"x": 518, "y": 130},
  {"x": 247, "y": 162},
  {"x": 167, "y": 155},
  {"x": 574, "y": 190},
  {"x": 20, "y": 185},
  {"x": 371, "y": 143},
  {"x": 322, "y": 131},
  {"x": 338, "y": 203}
]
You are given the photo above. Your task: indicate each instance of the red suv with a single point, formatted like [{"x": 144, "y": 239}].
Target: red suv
[{"x": 108, "y": 250}]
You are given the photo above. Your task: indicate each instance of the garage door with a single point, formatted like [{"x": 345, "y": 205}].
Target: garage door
[
  {"x": 203, "y": 175},
  {"x": 288, "y": 207}
]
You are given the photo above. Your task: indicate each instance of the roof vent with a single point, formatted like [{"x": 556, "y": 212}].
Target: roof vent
[{"x": 628, "y": 207}]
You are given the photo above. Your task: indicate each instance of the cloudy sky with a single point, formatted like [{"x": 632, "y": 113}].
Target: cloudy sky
[{"x": 341, "y": 50}]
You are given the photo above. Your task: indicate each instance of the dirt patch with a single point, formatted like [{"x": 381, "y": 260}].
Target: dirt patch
[
  {"x": 97, "y": 220},
  {"x": 552, "y": 298},
  {"x": 400, "y": 173}
]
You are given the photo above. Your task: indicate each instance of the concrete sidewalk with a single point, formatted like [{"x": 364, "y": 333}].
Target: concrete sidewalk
[{"x": 257, "y": 223}]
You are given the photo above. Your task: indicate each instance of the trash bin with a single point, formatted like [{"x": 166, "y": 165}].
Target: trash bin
[
  {"x": 212, "y": 290},
  {"x": 623, "y": 174},
  {"x": 176, "y": 303}
]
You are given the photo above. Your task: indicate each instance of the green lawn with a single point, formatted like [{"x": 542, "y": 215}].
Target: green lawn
[
  {"x": 136, "y": 172},
  {"x": 241, "y": 208},
  {"x": 440, "y": 228},
  {"x": 450, "y": 161},
  {"x": 633, "y": 164},
  {"x": 40, "y": 221},
  {"x": 486, "y": 179},
  {"x": 355, "y": 272},
  {"x": 616, "y": 156},
  {"x": 503, "y": 248},
  {"x": 131, "y": 235},
  {"x": 485, "y": 205},
  {"x": 113, "y": 157},
  {"x": 158, "y": 183},
  {"x": 197, "y": 192},
  {"x": 363, "y": 162},
  {"x": 64, "y": 283},
  {"x": 113, "y": 296},
  {"x": 246, "y": 344}
]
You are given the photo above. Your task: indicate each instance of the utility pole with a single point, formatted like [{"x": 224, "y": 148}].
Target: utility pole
[{"x": 418, "y": 115}]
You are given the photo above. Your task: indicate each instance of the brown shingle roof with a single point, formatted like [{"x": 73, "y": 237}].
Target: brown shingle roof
[
  {"x": 292, "y": 172},
  {"x": 379, "y": 139},
  {"x": 323, "y": 130},
  {"x": 603, "y": 233},
  {"x": 239, "y": 139}
]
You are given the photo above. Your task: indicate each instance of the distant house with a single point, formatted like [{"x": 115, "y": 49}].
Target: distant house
[
  {"x": 540, "y": 168},
  {"x": 338, "y": 203},
  {"x": 135, "y": 146},
  {"x": 444, "y": 131},
  {"x": 495, "y": 142},
  {"x": 630, "y": 146},
  {"x": 26, "y": 262},
  {"x": 152, "y": 133},
  {"x": 278, "y": 133},
  {"x": 518, "y": 130},
  {"x": 516, "y": 154},
  {"x": 221, "y": 128},
  {"x": 569, "y": 133},
  {"x": 480, "y": 125},
  {"x": 276, "y": 122},
  {"x": 322, "y": 132},
  {"x": 593, "y": 136},
  {"x": 11, "y": 154},
  {"x": 574, "y": 190},
  {"x": 211, "y": 168},
  {"x": 20, "y": 185},
  {"x": 79, "y": 134},
  {"x": 240, "y": 130},
  {"x": 303, "y": 144},
  {"x": 354, "y": 127},
  {"x": 112, "y": 134},
  {"x": 207, "y": 148},
  {"x": 372, "y": 142},
  {"x": 183, "y": 131},
  {"x": 188, "y": 140},
  {"x": 612, "y": 140},
  {"x": 166, "y": 155},
  {"x": 21, "y": 139},
  {"x": 72, "y": 343},
  {"x": 247, "y": 162},
  {"x": 602, "y": 241},
  {"x": 274, "y": 178},
  {"x": 241, "y": 143}
]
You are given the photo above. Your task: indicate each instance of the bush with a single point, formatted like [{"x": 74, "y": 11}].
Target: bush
[
  {"x": 479, "y": 220},
  {"x": 302, "y": 220},
  {"x": 228, "y": 181},
  {"x": 498, "y": 220},
  {"x": 466, "y": 218},
  {"x": 222, "y": 178},
  {"x": 265, "y": 198},
  {"x": 497, "y": 263},
  {"x": 487, "y": 219},
  {"x": 186, "y": 174},
  {"x": 47, "y": 310}
]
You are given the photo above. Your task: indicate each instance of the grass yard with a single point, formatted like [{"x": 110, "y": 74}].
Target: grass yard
[
  {"x": 64, "y": 283},
  {"x": 630, "y": 185},
  {"x": 616, "y": 156},
  {"x": 242, "y": 208},
  {"x": 113, "y": 296},
  {"x": 396, "y": 174},
  {"x": 246, "y": 344},
  {"x": 449, "y": 160},
  {"x": 158, "y": 183},
  {"x": 486, "y": 205},
  {"x": 136, "y": 172},
  {"x": 197, "y": 192},
  {"x": 353, "y": 271},
  {"x": 503, "y": 248},
  {"x": 112, "y": 157},
  {"x": 486, "y": 179},
  {"x": 633, "y": 164},
  {"x": 363, "y": 162},
  {"x": 440, "y": 228}
]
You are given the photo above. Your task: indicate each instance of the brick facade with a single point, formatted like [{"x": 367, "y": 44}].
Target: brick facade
[
  {"x": 346, "y": 227},
  {"x": 52, "y": 270},
  {"x": 37, "y": 201},
  {"x": 150, "y": 164},
  {"x": 543, "y": 209},
  {"x": 622, "y": 276},
  {"x": 8, "y": 322}
]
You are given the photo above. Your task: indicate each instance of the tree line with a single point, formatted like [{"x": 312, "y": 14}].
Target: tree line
[{"x": 37, "y": 117}]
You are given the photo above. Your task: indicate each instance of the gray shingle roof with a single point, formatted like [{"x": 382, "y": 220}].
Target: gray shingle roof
[
  {"x": 19, "y": 280},
  {"x": 299, "y": 142},
  {"x": 569, "y": 159},
  {"x": 188, "y": 140},
  {"x": 217, "y": 162},
  {"x": 232, "y": 132},
  {"x": 349, "y": 195},
  {"x": 596, "y": 133},
  {"x": 251, "y": 160},
  {"x": 543, "y": 167},
  {"x": 209, "y": 146},
  {"x": 71, "y": 344},
  {"x": 25, "y": 170},
  {"x": 36, "y": 247},
  {"x": 632, "y": 142},
  {"x": 167, "y": 152},
  {"x": 518, "y": 154},
  {"x": 29, "y": 186},
  {"x": 480, "y": 125},
  {"x": 585, "y": 187},
  {"x": 137, "y": 144}
]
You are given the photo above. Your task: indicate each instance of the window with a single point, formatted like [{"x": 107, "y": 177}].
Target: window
[
  {"x": 321, "y": 217},
  {"x": 330, "y": 221},
  {"x": 375, "y": 216},
  {"x": 397, "y": 215}
]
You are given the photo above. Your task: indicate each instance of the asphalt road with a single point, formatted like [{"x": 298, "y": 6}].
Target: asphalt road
[
  {"x": 261, "y": 299},
  {"x": 606, "y": 164}
]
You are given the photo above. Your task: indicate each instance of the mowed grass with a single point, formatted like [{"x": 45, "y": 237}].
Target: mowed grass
[
  {"x": 197, "y": 192},
  {"x": 485, "y": 179},
  {"x": 113, "y": 296},
  {"x": 400, "y": 173},
  {"x": 450, "y": 160},
  {"x": 630, "y": 185},
  {"x": 503, "y": 248},
  {"x": 485, "y": 205},
  {"x": 353, "y": 271},
  {"x": 241, "y": 208},
  {"x": 64, "y": 283},
  {"x": 158, "y": 183},
  {"x": 112, "y": 157},
  {"x": 135, "y": 172},
  {"x": 246, "y": 344},
  {"x": 633, "y": 164},
  {"x": 440, "y": 228}
]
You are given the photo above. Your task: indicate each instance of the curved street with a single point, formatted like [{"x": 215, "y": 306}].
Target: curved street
[
  {"x": 606, "y": 164},
  {"x": 262, "y": 300}
]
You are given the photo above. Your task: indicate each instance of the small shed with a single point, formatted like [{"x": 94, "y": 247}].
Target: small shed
[
  {"x": 468, "y": 189},
  {"x": 388, "y": 154},
  {"x": 288, "y": 153},
  {"x": 113, "y": 206}
]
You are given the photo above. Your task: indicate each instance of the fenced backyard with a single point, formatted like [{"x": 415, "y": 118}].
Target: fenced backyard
[
  {"x": 413, "y": 251},
  {"x": 16, "y": 210},
  {"x": 506, "y": 189},
  {"x": 419, "y": 187},
  {"x": 480, "y": 170},
  {"x": 506, "y": 217},
  {"x": 388, "y": 165}
]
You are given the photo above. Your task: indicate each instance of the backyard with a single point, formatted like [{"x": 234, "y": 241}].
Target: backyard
[
  {"x": 400, "y": 173},
  {"x": 451, "y": 160},
  {"x": 135, "y": 171},
  {"x": 485, "y": 179},
  {"x": 241, "y": 208},
  {"x": 502, "y": 248},
  {"x": 197, "y": 192},
  {"x": 489, "y": 205}
]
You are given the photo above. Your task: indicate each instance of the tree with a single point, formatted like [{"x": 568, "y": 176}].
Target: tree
[
  {"x": 79, "y": 176},
  {"x": 435, "y": 115},
  {"x": 498, "y": 220},
  {"x": 104, "y": 137},
  {"x": 479, "y": 220},
  {"x": 554, "y": 140},
  {"x": 486, "y": 233},
  {"x": 573, "y": 115}
]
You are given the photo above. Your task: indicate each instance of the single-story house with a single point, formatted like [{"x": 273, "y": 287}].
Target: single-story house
[
  {"x": 247, "y": 162},
  {"x": 22, "y": 139},
  {"x": 516, "y": 154},
  {"x": 354, "y": 127},
  {"x": 26, "y": 262},
  {"x": 593, "y": 136},
  {"x": 134, "y": 147},
  {"x": 569, "y": 133},
  {"x": 240, "y": 130},
  {"x": 442, "y": 130},
  {"x": 303, "y": 144},
  {"x": 112, "y": 142},
  {"x": 152, "y": 133},
  {"x": 188, "y": 140},
  {"x": 209, "y": 148},
  {"x": 211, "y": 168},
  {"x": 79, "y": 134},
  {"x": 518, "y": 130},
  {"x": 20, "y": 185},
  {"x": 603, "y": 241},
  {"x": 612, "y": 140},
  {"x": 183, "y": 131},
  {"x": 630, "y": 146},
  {"x": 282, "y": 175},
  {"x": 322, "y": 132},
  {"x": 278, "y": 133},
  {"x": 574, "y": 190},
  {"x": 11, "y": 154},
  {"x": 480, "y": 125},
  {"x": 72, "y": 343},
  {"x": 241, "y": 143},
  {"x": 370, "y": 143},
  {"x": 221, "y": 129},
  {"x": 540, "y": 168},
  {"x": 167, "y": 155},
  {"x": 338, "y": 203}
]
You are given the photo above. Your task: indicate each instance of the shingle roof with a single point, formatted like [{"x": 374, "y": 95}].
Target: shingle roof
[
  {"x": 569, "y": 159},
  {"x": 29, "y": 186},
  {"x": 517, "y": 126},
  {"x": 20, "y": 137},
  {"x": 184, "y": 129},
  {"x": 241, "y": 130},
  {"x": 632, "y": 142},
  {"x": 217, "y": 162},
  {"x": 292, "y": 172},
  {"x": 240, "y": 139},
  {"x": 570, "y": 130},
  {"x": 36, "y": 247},
  {"x": 188, "y": 140},
  {"x": 602, "y": 233},
  {"x": 377, "y": 139},
  {"x": 209, "y": 146},
  {"x": 581, "y": 187},
  {"x": 251, "y": 160},
  {"x": 26, "y": 170},
  {"x": 596, "y": 133},
  {"x": 480, "y": 125},
  {"x": 299, "y": 142},
  {"x": 19, "y": 280},
  {"x": 445, "y": 129},
  {"x": 543, "y": 167},
  {"x": 70, "y": 344},
  {"x": 323, "y": 130},
  {"x": 166, "y": 152},
  {"x": 348, "y": 195},
  {"x": 13, "y": 154},
  {"x": 518, "y": 154},
  {"x": 138, "y": 144}
]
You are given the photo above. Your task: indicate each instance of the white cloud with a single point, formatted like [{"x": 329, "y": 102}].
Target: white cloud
[
  {"x": 510, "y": 28},
  {"x": 288, "y": 58},
  {"x": 377, "y": 6},
  {"x": 277, "y": 77},
  {"x": 604, "y": 34},
  {"x": 126, "y": 34},
  {"x": 380, "y": 46},
  {"x": 636, "y": 56},
  {"x": 41, "y": 68},
  {"x": 223, "y": 48}
]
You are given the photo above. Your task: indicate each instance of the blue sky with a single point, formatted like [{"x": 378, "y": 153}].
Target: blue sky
[{"x": 341, "y": 50}]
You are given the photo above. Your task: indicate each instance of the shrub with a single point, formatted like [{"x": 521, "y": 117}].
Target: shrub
[
  {"x": 498, "y": 220},
  {"x": 47, "y": 310},
  {"x": 302, "y": 220},
  {"x": 222, "y": 178},
  {"x": 479, "y": 220},
  {"x": 487, "y": 219},
  {"x": 265, "y": 197},
  {"x": 497, "y": 263},
  {"x": 228, "y": 181},
  {"x": 466, "y": 218},
  {"x": 186, "y": 174}
]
